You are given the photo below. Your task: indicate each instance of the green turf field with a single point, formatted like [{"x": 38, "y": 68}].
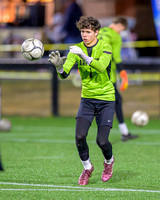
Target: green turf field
[{"x": 41, "y": 162}]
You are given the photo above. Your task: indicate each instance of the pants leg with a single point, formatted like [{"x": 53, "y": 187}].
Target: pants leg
[
  {"x": 82, "y": 127},
  {"x": 103, "y": 142},
  {"x": 118, "y": 106}
]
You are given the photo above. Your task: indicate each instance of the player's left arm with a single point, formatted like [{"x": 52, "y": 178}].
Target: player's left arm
[
  {"x": 104, "y": 59},
  {"x": 99, "y": 65}
]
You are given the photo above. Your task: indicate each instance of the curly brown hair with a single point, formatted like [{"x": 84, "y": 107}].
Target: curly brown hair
[{"x": 88, "y": 23}]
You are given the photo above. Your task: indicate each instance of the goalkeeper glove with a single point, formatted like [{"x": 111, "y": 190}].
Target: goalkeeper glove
[
  {"x": 57, "y": 61},
  {"x": 81, "y": 54},
  {"x": 124, "y": 84}
]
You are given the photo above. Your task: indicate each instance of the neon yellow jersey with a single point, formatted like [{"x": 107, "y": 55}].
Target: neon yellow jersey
[
  {"x": 114, "y": 39},
  {"x": 95, "y": 77}
]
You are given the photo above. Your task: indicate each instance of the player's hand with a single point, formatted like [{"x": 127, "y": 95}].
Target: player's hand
[
  {"x": 76, "y": 50},
  {"x": 56, "y": 60},
  {"x": 124, "y": 84}
]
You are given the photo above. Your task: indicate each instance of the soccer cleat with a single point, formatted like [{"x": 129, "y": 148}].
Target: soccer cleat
[
  {"x": 84, "y": 177},
  {"x": 128, "y": 137},
  {"x": 107, "y": 172}
]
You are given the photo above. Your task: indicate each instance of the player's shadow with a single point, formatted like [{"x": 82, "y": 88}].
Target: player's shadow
[{"x": 118, "y": 176}]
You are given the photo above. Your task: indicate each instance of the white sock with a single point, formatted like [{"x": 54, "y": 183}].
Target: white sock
[
  {"x": 109, "y": 161},
  {"x": 123, "y": 129},
  {"x": 87, "y": 164}
]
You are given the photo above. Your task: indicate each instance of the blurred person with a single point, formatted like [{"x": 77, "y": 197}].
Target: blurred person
[
  {"x": 128, "y": 36},
  {"x": 97, "y": 97},
  {"x": 36, "y": 16},
  {"x": 54, "y": 32},
  {"x": 128, "y": 53},
  {"x": 72, "y": 14},
  {"x": 111, "y": 35}
]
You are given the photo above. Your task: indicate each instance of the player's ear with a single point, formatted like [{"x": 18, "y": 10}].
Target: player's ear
[{"x": 96, "y": 33}]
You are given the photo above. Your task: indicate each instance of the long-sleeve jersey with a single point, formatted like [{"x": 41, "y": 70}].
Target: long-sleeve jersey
[
  {"x": 114, "y": 39},
  {"x": 95, "y": 77}
]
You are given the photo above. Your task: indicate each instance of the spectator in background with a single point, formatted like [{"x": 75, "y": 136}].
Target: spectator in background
[
  {"x": 72, "y": 14},
  {"x": 129, "y": 36},
  {"x": 54, "y": 32},
  {"x": 36, "y": 16}
]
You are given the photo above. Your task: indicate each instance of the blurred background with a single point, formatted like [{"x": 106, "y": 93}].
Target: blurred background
[{"x": 33, "y": 88}]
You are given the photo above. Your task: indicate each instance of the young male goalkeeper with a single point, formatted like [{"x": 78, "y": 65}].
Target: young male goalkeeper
[
  {"x": 98, "y": 96},
  {"x": 111, "y": 35}
]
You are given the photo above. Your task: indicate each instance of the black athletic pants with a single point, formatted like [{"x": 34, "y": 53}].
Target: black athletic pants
[
  {"x": 118, "y": 105},
  {"x": 82, "y": 127}
]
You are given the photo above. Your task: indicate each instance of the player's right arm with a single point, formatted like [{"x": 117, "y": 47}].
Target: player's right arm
[
  {"x": 63, "y": 65},
  {"x": 67, "y": 66}
]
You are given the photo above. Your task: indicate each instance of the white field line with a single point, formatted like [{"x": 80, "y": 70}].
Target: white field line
[
  {"x": 51, "y": 129},
  {"x": 52, "y": 141},
  {"x": 70, "y": 188},
  {"x": 78, "y": 190},
  {"x": 71, "y": 133},
  {"x": 55, "y": 141},
  {"x": 68, "y": 134},
  {"x": 46, "y": 157}
]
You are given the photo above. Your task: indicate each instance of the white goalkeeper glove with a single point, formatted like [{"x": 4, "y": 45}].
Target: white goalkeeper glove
[
  {"x": 80, "y": 53},
  {"x": 57, "y": 61}
]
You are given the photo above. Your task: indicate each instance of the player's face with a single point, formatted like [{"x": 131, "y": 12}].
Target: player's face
[
  {"x": 89, "y": 37},
  {"x": 120, "y": 27}
]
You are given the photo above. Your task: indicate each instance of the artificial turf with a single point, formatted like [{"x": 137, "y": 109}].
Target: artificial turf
[{"x": 41, "y": 162}]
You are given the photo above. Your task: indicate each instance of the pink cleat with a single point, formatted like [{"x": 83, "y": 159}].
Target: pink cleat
[
  {"x": 84, "y": 177},
  {"x": 107, "y": 172}
]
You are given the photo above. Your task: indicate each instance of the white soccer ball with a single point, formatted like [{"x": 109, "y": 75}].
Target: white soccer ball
[
  {"x": 32, "y": 49},
  {"x": 5, "y": 125},
  {"x": 140, "y": 118}
]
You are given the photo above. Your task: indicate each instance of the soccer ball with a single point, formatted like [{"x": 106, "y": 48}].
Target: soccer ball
[
  {"x": 5, "y": 125},
  {"x": 32, "y": 49},
  {"x": 140, "y": 118}
]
